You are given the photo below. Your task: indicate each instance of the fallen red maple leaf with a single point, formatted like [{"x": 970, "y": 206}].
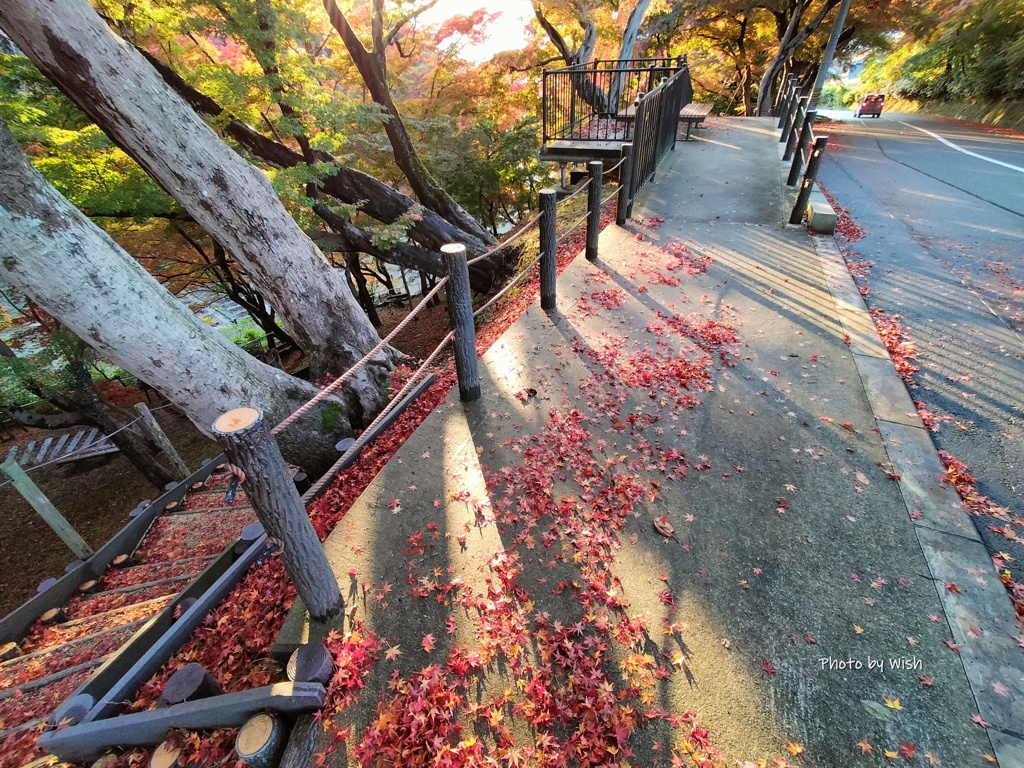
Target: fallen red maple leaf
[
  {"x": 980, "y": 721},
  {"x": 769, "y": 667}
]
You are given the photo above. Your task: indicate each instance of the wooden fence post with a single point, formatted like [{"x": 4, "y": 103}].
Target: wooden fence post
[
  {"x": 798, "y": 120},
  {"x": 805, "y": 189},
  {"x": 30, "y": 491},
  {"x": 787, "y": 97},
  {"x": 625, "y": 174},
  {"x": 806, "y": 131},
  {"x": 787, "y": 117},
  {"x": 460, "y": 315},
  {"x": 596, "y": 168},
  {"x": 548, "y": 247},
  {"x": 151, "y": 426},
  {"x": 249, "y": 445}
]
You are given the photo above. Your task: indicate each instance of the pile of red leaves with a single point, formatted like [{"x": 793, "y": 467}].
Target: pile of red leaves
[
  {"x": 977, "y": 503},
  {"x": 895, "y": 340},
  {"x": 846, "y": 227}
]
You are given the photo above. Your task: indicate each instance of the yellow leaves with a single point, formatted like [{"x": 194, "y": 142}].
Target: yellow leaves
[
  {"x": 865, "y": 748},
  {"x": 392, "y": 653},
  {"x": 892, "y": 703},
  {"x": 794, "y": 748},
  {"x": 892, "y": 754},
  {"x": 858, "y": 629}
]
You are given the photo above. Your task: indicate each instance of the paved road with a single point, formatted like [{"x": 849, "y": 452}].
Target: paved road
[{"x": 943, "y": 209}]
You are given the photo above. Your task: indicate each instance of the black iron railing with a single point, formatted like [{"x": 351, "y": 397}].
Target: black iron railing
[
  {"x": 657, "y": 121},
  {"x": 596, "y": 101}
]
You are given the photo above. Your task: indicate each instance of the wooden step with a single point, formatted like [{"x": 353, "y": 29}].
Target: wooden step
[
  {"x": 57, "y": 634},
  {"x": 116, "y": 635},
  {"x": 55, "y": 677},
  {"x": 164, "y": 569}
]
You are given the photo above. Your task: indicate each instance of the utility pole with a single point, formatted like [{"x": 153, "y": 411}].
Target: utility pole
[{"x": 830, "y": 51}]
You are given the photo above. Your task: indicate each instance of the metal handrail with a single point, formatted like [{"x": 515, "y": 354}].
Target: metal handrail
[{"x": 593, "y": 101}]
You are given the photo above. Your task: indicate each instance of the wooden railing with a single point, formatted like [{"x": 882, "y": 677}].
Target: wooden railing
[{"x": 803, "y": 150}]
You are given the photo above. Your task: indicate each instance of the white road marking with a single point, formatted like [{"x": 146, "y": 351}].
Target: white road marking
[{"x": 961, "y": 149}]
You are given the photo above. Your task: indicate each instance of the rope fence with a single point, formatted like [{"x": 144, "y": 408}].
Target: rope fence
[
  {"x": 335, "y": 385},
  {"x": 328, "y": 476},
  {"x": 503, "y": 245}
]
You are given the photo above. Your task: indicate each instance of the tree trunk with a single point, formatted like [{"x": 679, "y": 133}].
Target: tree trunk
[
  {"x": 352, "y": 260},
  {"x": 789, "y": 42},
  {"x": 347, "y": 185},
  {"x": 629, "y": 36},
  {"x": 229, "y": 197},
  {"x": 54, "y": 254},
  {"x": 372, "y": 71}
]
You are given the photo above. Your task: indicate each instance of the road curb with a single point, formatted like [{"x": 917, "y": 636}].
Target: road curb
[{"x": 980, "y": 616}]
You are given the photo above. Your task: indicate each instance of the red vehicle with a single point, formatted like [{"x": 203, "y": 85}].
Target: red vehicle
[{"x": 872, "y": 105}]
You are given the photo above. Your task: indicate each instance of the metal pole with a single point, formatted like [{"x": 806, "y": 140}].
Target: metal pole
[
  {"x": 798, "y": 120},
  {"x": 806, "y": 132},
  {"x": 596, "y": 168},
  {"x": 625, "y": 173},
  {"x": 805, "y": 189},
  {"x": 548, "y": 247},
  {"x": 830, "y": 51},
  {"x": 460, "y": 315},
  {"x": 42, "y": 505}
]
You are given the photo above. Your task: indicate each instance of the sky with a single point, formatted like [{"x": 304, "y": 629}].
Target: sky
[{"x": 506, "y": 33}]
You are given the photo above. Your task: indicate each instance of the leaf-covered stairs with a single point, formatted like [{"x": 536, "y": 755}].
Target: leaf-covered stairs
[{"x": 63, "y": 649}]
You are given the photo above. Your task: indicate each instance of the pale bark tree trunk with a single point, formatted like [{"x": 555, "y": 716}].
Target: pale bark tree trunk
[
  {"x": 372, "y": 66},
  {"x": 629, "y": 36},
  {"x": 429, "y": 231},
  {"x": 582, "y": 83},
  {"x": 789, "y": 42},
  {"x": 51, "y": 252},
  {"x": 229, "y": 197}
]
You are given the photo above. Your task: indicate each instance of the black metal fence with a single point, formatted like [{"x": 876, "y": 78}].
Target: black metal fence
[
  {"x": 657, "y": 121},
  {"x": 596, "y": 101}
]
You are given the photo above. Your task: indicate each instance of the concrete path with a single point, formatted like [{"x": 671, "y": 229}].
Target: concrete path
[{"x": 712, "y": 376}]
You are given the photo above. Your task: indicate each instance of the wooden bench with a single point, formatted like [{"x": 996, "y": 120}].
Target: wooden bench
[{"x": 693, "y": 114}]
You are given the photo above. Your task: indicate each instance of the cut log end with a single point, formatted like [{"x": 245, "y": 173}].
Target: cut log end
[
  {"x": 107, "y": 761},
  {"x": 52, "y": 616},
  {"x": 236, "y": 420},
  {"x": 453, "y": 248},
  {"x": 121, "y": 561},
  {"x": 189, "y": 683},
  {"x": 89, "y": 587},
  {"x": 165, "y": 756},
  {"x": 198, "y": 486},
  {"x": 9, "y": 651},
  {"x": 171, "y": 506},
  {"x": 310, "y": 663},
  {"x": 260, "y": 741}
]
